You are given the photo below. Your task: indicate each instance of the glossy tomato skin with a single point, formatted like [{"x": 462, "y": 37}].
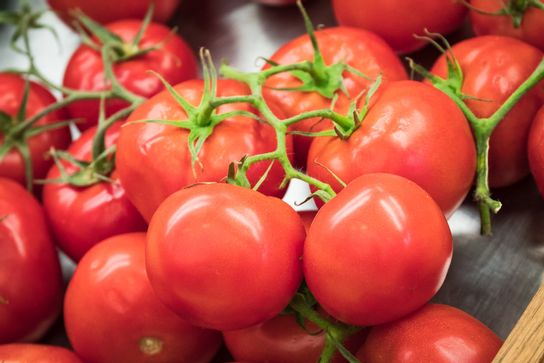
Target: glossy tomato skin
[
  {"x": 36, "y": 353},
  {"x": 154, "y": 161},
  {"x": 360, "y": 49},
  {"x": 206, "y": 242},
  {"x": 386, "y": 262},
  {"x": 530, "y": 31},
  {"x": 536, "y": 150},
  {"x": 174, "y": 60},
  {"x": 493, "y": 68},
  {"x": 11, "y": 94},
  {"x": 396, "y": 21},
  {"x": 409, "y": 130},
  {"x": 29, "y": 267},
  {"x": 435, "y": 333},
  {"x": 105, "y": 11},
  {"x": 110, "y": 297},
  {"x": 307, "y": 218},
  {"x": 80, "y": 217}
]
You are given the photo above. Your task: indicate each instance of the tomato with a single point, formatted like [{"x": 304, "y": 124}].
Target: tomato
[
  {"x": 224, "y": 257},
  {"x": 30, "y": 276},
  {"x": 536, "y": 150},
  {"x": 493, "y": 68},
  {"x": 369, "y": 259},
  {"x": 360, "y": 49},
  {"x": 307, "y": 217},
  {"x": 83, "y": 216},
  {"x": 11, "y": 95},
  {"x": 396, "y": 21},
  {"x": 282, "y": 340},
  {"x": 110, "y": 296},
  {"x": 104, "y": 11},
  {"x": 174, "y": 60},
  {"x": 35, "y": 353},
  {"x": 409, "y": 131},
  {"x": 154, "y": 161},
  {"x": 436, "y": 333},
  {"x": 530, "y": 30},
  {"x": 276, "y": 2}
]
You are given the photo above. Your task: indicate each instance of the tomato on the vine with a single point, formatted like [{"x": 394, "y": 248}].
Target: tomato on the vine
[
  {"x": 536, "y": 150},
  {"x": 36, "y": 353}
]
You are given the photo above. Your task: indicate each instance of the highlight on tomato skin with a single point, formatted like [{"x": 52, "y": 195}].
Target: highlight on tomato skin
[{"x": 36, "y": 353}]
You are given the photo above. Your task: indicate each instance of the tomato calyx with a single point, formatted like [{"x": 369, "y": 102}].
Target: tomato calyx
[{"x": 515, "y": 9}]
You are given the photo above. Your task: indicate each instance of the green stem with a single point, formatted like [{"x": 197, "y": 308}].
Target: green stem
[{"x": 344, "y": 122}]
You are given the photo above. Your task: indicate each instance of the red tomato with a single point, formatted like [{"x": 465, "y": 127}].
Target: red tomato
[
  {"x": 493, "y": 68},
  {"x": 105, "y": 11},
  {"x": 436, "y": 333},
  {"x": 224, "y": 257},
  {"x": 35, "y": 353},
  {"x": 307, "y": 217},
  {"x": 30, "y": 276},
  {"x": 11, "y": 94},
  {"x": 409, "y": 131},
  {"x": 154, "y": 161},
  {"x": 530, "y": 31},
  {"x": 276, "y": 2},
  {"x": 369, "y": 259},
  {"x": 83, "y": 216},
  {"x": 360, "y": 49},
  {"x": 536, "y": 150},
  {"x": 282, "y": 340},
  {"x": 397, "y": 21},
  {"x": 85, "y": 71},
  {"x": 110, "y": 296}
]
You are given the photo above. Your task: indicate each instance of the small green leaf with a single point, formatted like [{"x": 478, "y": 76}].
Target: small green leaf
[{"x": 105, "y": 36}]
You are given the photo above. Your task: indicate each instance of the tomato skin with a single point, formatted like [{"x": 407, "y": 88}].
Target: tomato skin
[
  {"x": 307, "y": 218},
  {"x": 536, "y": 150},
  {"x": 11, "y": 94},
  {"x": 436, "y": 333},
  {"x": 360, "y": 49},
  {"x": 29, "y": 267},
  {"x": 408, "y": 131},
  {"x": 80, "y": 217},
  {"x": 530, "y": 31},
  {"x": 196, "y": 267},
  {"x": 391, "y": 263},
  {"x": 388, "y": 19},
  {"x": 154, "y": 161},
  {"x": 110, "y": 296},
  {"x": 105, "y": 11},
  {"x": 493, "y": 68},
  {"x": 36, "y": 353},
  {"x": 174, "y": 61}
]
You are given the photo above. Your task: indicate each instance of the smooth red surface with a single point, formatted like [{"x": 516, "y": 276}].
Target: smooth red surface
[
  {"x": 110, "y": 307},
  {"x": 11, "y": 95},
  {"x": 30, "y": 276},
  {"x": 35, "y": 353},
  {"x": 493, "y": 68},
  {"x": 377, "y": 251},
  {"x": 396, "y": 21},
  {"x": 536, "y": 150},
  {"x": 80, "y": 217},
  {"x": 307, "y": 218},
  {"x": 154, "y": 161},
  {"x": 436, "y": 333},
  {"x": 530, "y": 31},
  {"x": 409, "y": 130},
  {"x": 225, "y": 257},
  {"x": 85, "y": 71},
  {"x": 360, "y": 49}
]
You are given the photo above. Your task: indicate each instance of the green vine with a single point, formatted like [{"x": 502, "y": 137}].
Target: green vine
[{"x": 515, "y": 9}]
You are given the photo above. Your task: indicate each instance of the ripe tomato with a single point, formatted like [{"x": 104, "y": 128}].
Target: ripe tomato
[
  {"x": 35, "y": 353},
  {"x": 397, "y": 21},
  {"x": 154, "y": 161},
  {"x": 368, "y": 259},
  {"x": 83, "y": 216},
  {"x": 11, "y": 95},
  {"x": 409, "y": 131},
  {"x": 30, "y": 276},
  {"x": 360, "y": 49},
  {"x": 110, "y": 296},
  {"x": 493, "y": 68},
  {"x": 536, "y": 150},
  {"x": 530, "y": 30},
  {"x": 224, "y": 257},
  {"x": 105, "y": 11},
  {"x": 85, "y": 70},
  {"x": 436, "y": 333},
  {"x": 307, "y": 217}
]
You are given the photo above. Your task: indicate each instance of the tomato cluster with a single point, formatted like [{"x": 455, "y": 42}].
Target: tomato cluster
[{"x": 170, "y": 199}]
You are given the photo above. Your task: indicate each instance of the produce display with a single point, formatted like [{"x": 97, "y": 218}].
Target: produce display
[{"x": 163, "y": 184}]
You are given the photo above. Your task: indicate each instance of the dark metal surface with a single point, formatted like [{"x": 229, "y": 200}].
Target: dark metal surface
[{"x": 490, "y": 278}]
